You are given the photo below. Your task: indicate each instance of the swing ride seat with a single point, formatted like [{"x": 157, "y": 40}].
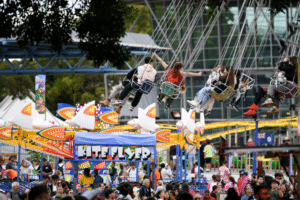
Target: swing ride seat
[
  {"x": 169, "y": 89},
  {"x": 282, "y": 89},
  {"x": 224, "y": 95},
  {"x": 145, "y": 88}
]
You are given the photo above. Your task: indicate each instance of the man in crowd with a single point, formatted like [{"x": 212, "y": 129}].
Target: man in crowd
[
  {"x": 248, "y": 194},
  {"x": 132, "y": 173},
  {"x": 275, "y": 194},
  {"x": 47, "y": 169},
  {"x": 221, "y": 148},
  {"x": 191, "y": 151},
  {"x": 145, "y": 190},
  {"x": 124, "y": 188},
  {"x": 208, "y": 151},
  {"x": 11, "y": 163},
  {"x": 60, "y": 191},
  {"x": 242, "y": 182},
  {"x": 28, "y": 160},
  {"x": 165, "y": 174},
  {"x": 14, "y": 194},
  {"x": 214, "y": 191},
  {"x": 113, "y": 171},
  {"x": 39, "y": 192},
  {"x": 260, "y": 180},
  {"x": 207, "y": 196},
  {"x": 156, "y": 174}
]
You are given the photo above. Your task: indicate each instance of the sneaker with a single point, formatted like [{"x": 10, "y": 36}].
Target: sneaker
[
  {"x": 164, "y": 100},
  {"x": 268, "y": 102},
  {"x": 207, "y": 114},
  {"x": 158, "y": 102},
  {"x": 230, "y": 106},
  {"x": 192, "y": 103},
  {"x": 198, "y": 109},
  {"x": 118, "y": 102},
  {"x": 250, "y": 113},
  {"x": 118, "y": 110},
  {"x": 131, "y": 108},
  {"x": 253, "y": 107},
  {"x": 236, "y": 108},
  {"x": 105, "y": 102},
  {"x": 273, "y": 110}
]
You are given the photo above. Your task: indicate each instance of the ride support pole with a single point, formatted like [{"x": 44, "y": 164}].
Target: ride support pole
[
  {"x": 19, "y": 162},
  {"x": 185, "y": 165},
  {"x": 181, "y": 167},
  {"x": 255, "y": 144},
  {"x": 41, "y": 167},
  {"x": 137, "y": 171},
  {"x": 199, "y": 170},
  {"x": 148, "y": 169},
  {"x": 178, "y": 162},
  {"x": 291, "y": 164}
]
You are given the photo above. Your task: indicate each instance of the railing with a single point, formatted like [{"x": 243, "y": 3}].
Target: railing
[{"x": 6, "y": 186}]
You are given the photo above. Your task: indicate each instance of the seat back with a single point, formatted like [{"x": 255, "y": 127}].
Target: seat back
[
  {"x": 146, "y": 87},
  {"x": 170, "y": 89},
  {"x": 224, "y": 95}
]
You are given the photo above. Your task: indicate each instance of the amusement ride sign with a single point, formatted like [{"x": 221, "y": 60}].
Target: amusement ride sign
[{"x": 114, "y": 153}]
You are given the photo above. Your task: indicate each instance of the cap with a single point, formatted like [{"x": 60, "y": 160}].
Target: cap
[
  {"x": 242, "y": 172},
  {"x": 250, "y": 140}
]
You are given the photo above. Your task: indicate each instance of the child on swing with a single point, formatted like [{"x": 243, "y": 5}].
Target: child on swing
[{"x": 175, "y": 76}]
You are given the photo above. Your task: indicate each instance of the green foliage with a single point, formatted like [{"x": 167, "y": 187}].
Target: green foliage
[{"x": 143, "y": 24}]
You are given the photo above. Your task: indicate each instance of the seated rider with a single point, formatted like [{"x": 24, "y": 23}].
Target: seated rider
[
  {"x": 145, "y": 72},
  {"x": 262, "y": 92},
  {"x": 118, "y": 88},
  {"x": 290, "y": 69},
  {"x": 175, "y": 76},
  {"x": 225, "y": 78}
]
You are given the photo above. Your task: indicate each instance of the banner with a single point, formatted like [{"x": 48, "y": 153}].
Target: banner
[
  {"x": 113, "y": 153},
  {"x": 265, "y": 138},
  {"x": 53, "y": 133},
  {"x": 40, "y": 95}
]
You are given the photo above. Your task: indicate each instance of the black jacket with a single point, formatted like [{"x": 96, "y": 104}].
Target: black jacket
[
  {"x": 129, "y": 77},
  {"x": 289, "y": 71}
]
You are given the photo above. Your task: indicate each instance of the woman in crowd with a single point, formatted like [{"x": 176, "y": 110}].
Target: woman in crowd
[
  {"x": 33, "y": 171},
  {"x": 24, "y": 170},
  {"x": 231, "y": 184},
  {"x": 86, "y": 178}
]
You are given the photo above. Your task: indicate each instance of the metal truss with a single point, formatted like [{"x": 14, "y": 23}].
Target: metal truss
[{"x": 9, "y": 49}]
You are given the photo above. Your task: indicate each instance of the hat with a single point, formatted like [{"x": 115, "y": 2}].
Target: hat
[
  {"x": 286, "y": 139},
  {"x": 58, "y": 196},
  {"x": 242, "y": 172},
  {"x": 223, "y": 136},
  {"x": 250, "y": 140}
]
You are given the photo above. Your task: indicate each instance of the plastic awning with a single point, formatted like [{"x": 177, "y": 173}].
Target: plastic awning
[{"x": 115, "y": 139}]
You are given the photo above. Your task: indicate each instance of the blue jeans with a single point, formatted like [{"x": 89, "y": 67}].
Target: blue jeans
[
  {"x": 191, "y": 158},
  {"x": 203, "y": 95}
]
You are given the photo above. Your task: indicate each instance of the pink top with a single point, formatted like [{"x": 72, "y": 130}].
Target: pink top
[
  {"x": 224, "y": 172},
  {"x": 230, "y": 185}
]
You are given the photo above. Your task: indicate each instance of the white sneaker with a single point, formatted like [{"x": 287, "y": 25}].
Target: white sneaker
[
  {"x": 268, "y": 102},
  {"x": 118, "y": 102},
  {"x": 192, "y": 103},
  {"x": 164, "y": 100},
  {"x": 198, "y": 109}
]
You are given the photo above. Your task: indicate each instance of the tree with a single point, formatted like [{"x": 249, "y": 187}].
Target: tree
[{"x": 99, "y": 25}]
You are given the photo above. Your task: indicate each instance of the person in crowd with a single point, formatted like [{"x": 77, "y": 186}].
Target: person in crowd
[
  {"x": 225, "y": 76},
  {"x": 175, "y": 76},
  {"x": 54, "y": 184},
  {"x": 144, "y": 72},
  {"x": 248, "y": 194},
  {"x": 290, "y": 69},
  {"x": 11, "y": 174},
  {"x": 232, "y": 194},
  {"x": 262, "y": 92},
  {"x": 275, "y": 192},
  {"x": 61, "y": 167},
  {"x": 84, "y": 188},
  {"x": 28, "y": 160},
  {"x": 212, "y": 183},
  {"x": 86, "y": 178},
  {"x": 124, "y": 188},
  {"x": 221, "y": 153},
  {"x": 167, "y": 195},
  {"x": 254, "y": 180},
  {"x": 231, "y": 184},
  {"x": 24, "y": 170},
  {"x": 118, "y": 88},
  {"x": 70, "y": 193},
  {"x": 132, "y": 172},
  {"x": 191, "y": 152},
  {"x": 14, "y": 194},
  {"x": 97, "y": 178},
  {"x": 286, "y": 192},
  {"x": 160, "y": 195},
  {"x": 224, "y": 172},
  {"x": 60, "y": 191},
  {"x": 39, "y": 192},
  {"x": 145, "y": 190},
  {"x": 250, "y": 143},
  {"x": 202, "y": 146},
  {"x": 65, "y": 187},
  {"x": 197, "y": 196},
  {"x": 113, "y": 171},
  {"x": 47, "y": 169},
  {"x": 208, "y": 150},
  {"x": 45, "y": 181},
  {"x": 260, "y": 180},
  {"x": 11, "y": 164},
  {"x": 214, "y": 191},
  {"x": 165, "y": 174},
  {"x": 23, "y": 196},
  {"x": 156, "y": 174},
  {"x": 242, "y": 182},
  {"x": 33, "y": 169},
  {"x": 285, "y": 157},
  {"x": 207, "y": 195}
]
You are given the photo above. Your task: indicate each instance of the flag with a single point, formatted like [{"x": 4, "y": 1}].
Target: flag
[
  {"x": 266, "y": 138},
  {"x": 40, "y": 93}
]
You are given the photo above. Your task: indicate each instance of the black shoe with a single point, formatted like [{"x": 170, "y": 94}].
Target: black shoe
[
  {"x": 158, "y": 102},
  {"x": 236, "y": 108},
  {"x": 168, "y": 106},
  {"x": 207, "y": 114}
]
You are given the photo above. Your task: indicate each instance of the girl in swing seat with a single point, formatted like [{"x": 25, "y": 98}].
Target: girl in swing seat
[
  {"x": 175, "y": 76},
  {"x": 225, "y": 76},
  {"x": 290, "y": 69}
]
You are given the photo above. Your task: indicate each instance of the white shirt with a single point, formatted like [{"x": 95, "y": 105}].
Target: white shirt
[
  {"x": 132, "y": 174},
  {"x": 33, "y": 172},
  {"x": 165, "y": 173}
]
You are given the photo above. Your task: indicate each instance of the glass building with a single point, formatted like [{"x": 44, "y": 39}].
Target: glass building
[{"x": 261, "y": 69}]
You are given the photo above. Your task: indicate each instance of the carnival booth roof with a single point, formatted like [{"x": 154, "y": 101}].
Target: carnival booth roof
[{"x": 113, "y": 139}]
